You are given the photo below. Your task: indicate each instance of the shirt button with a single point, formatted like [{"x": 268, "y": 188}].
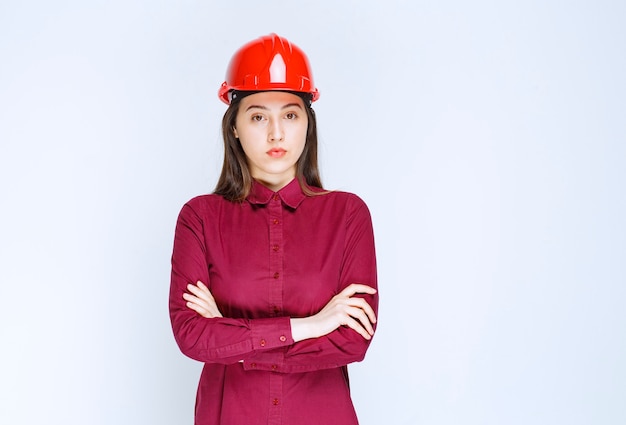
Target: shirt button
[
  {"x": 274, "y": 367},
  {"x": 276, "y": 275},
  {"x": 276, "y": 310},
  {"x": 282, "y": 338},
  {"x": 276, "y": 197},
  {"x": 275, "y": 248},
  {"x": 252, "y": 365},
  {"x": 276, "y": 221},
  {"x": 275, "y": 402},
  {"x": 262, "y": 343}
]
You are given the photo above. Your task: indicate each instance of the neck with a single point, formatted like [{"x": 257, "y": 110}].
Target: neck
[{"x": 274, "y": 185}]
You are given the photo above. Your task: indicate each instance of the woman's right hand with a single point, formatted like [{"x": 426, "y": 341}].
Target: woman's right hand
[{"x": 344, "y": 309}]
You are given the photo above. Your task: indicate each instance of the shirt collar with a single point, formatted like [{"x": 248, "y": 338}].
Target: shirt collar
[{"x": 291, "y": 195}]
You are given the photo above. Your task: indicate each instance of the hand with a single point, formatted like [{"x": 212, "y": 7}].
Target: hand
[
  {"x": 344, "y": 309},
  {"x": 201, "y": 301}
]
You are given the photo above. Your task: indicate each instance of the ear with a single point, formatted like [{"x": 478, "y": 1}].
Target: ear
[{"x": 235, "y": 133}]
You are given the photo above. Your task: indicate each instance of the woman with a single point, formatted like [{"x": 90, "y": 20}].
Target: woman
[{"x": 273, "y": 278}]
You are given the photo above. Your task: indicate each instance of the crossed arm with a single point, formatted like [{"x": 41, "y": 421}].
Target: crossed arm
[
  {"x": 336, "y": 335},
  {"x": 344, "y": 309}
]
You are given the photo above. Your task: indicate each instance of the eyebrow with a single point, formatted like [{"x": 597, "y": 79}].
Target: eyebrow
[{"x": 289, "y": 105}]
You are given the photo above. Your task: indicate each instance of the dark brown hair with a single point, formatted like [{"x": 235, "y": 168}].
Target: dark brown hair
[{"x": 235, "y": 180}]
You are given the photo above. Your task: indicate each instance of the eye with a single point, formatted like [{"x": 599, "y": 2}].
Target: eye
[
  {"x": 291, "y": 115},
  {"x": 257, "y": 118}
]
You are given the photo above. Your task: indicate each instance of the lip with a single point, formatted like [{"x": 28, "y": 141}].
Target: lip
[{"x": 276, "y": 152}]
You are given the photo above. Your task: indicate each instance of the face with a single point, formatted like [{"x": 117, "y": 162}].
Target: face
[{"x": 271, "y": 127}]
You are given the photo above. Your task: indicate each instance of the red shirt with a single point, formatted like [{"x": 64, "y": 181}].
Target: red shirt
[{"x": 269, "y": 258}]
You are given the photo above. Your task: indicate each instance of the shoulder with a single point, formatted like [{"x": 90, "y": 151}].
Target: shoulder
[
  {"x": 202, "y": 205},
  {"x": 204, "y": 200},
  {"x": 349, "y": 202},
  {"x": 345, "y": 197}
]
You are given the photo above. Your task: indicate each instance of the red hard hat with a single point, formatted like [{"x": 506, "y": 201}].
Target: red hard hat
[{"x": 268, "y": 63}]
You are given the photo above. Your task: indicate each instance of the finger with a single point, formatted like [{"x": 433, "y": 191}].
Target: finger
[
  {"x": 194, "y": 289},
  {"x": 199, "y": 292},
  {"x": 198, "y": 309},
  {"x": 209, "y": 301},
  {"x": 356, "y": 326},
  {"x": 357, "y": 288},
  {"x": 364, "y": 305},
  {"x": 205, "y": 302},
  {"x": 360, "y": 315},
  {"x": 202, "y": 310},
  {"x": 199, "y": 301}
]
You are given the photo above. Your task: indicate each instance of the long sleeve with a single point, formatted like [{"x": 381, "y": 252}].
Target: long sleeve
[
  {"x": 219, "y": 340},
  {"x": 344, "y": 345},
  {"x": 273, "y": 257}
]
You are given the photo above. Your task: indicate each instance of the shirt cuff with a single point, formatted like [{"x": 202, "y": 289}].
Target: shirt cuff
[{"x": 271, "y": 333}]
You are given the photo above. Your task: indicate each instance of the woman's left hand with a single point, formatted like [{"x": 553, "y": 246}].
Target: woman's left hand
[{"x": 201, "y": 301}]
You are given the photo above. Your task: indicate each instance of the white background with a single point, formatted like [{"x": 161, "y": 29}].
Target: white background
[{"x": 487, "y": 137}]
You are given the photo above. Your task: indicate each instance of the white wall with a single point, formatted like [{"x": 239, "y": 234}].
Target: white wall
[{"x": 488, "y": 139}]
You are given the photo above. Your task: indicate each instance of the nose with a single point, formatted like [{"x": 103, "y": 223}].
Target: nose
[{"x": 275, "y": 131}]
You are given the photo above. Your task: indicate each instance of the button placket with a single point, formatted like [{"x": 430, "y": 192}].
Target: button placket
[
  {"x": 275, "y": 399},
  {"x": 275, "y": 209},
  {"x": 275, "y": 301}
]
